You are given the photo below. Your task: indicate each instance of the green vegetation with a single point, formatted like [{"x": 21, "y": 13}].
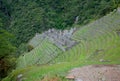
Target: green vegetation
[
  {"x": 97, "y": 40},
  {"x": 5, "y": 46},
  {"x": 42, "y": 54},
  {"x": 27, "y": 17},
  {"x": 20, "y": 20},
  {"x": 6, "y": 51}
]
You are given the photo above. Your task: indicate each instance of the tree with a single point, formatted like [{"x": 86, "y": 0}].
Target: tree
[
  {"x": 7, "y": 61},
  {"x": 6, "y": 47}
]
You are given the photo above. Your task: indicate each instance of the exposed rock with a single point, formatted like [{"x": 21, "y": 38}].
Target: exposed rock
[
  {"x": 76, "y": 19},
  {"x": 70, "y": 77},
  {"x": 20, "y": 77},
  {"x": 102, "y": 60}
]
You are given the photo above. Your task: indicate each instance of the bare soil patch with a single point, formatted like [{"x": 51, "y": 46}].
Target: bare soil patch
[{"x": 96, "y": 73}]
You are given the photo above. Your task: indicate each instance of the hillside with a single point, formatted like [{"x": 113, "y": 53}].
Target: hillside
[
  {"x": 97, "y": 43},
  {"x": 48, "y": 29},
  {"x": 27, "y": 17}
]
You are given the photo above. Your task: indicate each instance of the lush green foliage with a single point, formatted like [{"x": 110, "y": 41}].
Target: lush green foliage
[
  {"x": 6, "y": 47},
  {"x": 7, "y": 61},
  {"x": 28, "y": 17}
]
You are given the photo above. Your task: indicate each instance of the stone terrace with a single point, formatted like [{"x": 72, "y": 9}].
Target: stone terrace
[{"x": 62, "y": 39}]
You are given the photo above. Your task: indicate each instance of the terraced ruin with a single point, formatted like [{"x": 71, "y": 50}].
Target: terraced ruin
[
  {"x": 62, "y": 39},
  {"x": 93, "y": 42}
]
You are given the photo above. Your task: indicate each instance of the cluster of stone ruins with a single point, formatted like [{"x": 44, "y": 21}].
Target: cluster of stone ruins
[{"x": 62, "y": 39}]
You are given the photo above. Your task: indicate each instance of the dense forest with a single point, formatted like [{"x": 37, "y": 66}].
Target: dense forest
[
  {"x": 27, "y": 17},
  {"x": 20, "y": 20}
]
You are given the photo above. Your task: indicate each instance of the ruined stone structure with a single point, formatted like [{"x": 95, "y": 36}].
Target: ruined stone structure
[{"x": 62, "y": 39}]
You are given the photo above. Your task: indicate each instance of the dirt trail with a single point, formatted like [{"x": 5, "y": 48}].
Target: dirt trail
[{"x": 96, "y": 73}]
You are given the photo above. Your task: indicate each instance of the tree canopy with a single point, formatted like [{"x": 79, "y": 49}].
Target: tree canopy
[
  {"x": 27, "y": 17},
  {"x": 6, "y": 47}
]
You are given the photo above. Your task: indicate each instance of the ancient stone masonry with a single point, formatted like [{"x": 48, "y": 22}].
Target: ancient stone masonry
[
  {"x": 62, "y": 39},
  {"x": 36, "y": 40}
]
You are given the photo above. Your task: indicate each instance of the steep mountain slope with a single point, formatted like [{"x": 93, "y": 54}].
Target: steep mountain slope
[
  {"x": 28, "y": 17},
  {"x": 98, "y": 44},
  {"x": 96, "y": 40}
]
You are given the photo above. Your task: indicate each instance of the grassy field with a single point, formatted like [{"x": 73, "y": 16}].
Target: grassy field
[{"x": 99, "y": 43}]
